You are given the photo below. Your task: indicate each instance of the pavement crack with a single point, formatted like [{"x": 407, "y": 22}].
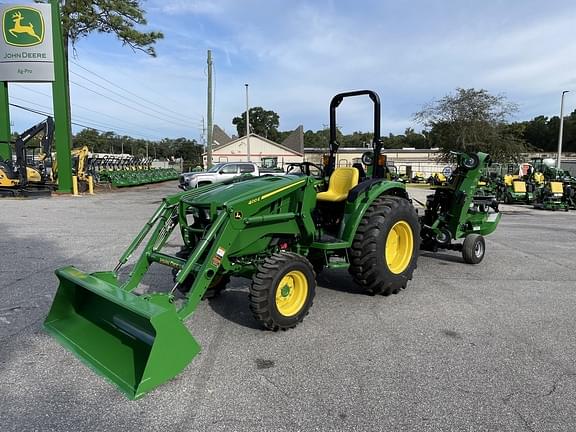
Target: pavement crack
[
  {"x": 275, "y": 386},
  {"x": 17, "y": 308},
  {"x": 556, "y": 383},
  {"x": 506, "y": 400}
]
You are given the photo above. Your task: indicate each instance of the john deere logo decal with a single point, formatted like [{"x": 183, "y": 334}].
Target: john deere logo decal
[{"x": 23, "y": 26}]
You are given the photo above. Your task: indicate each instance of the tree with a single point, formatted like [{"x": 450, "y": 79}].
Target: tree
[
  {"x": 314, "y": 140},
  {"x": 537, "y": 133},
  {"x": 262, "y": 122},
  {"x": 118, "y": 17},
  {"x": 415, "y": 140},
  {"x": 358, "y": 139},
  {"x": 569, "y": 134},
  {"x": 394, "y": 141},
  {"x": 472, "y": 120}
]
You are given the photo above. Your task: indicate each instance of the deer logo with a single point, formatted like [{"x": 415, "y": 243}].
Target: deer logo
[{"x": 23, "y": 26}]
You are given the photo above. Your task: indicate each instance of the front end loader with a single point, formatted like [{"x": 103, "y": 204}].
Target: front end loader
[{"x": 278, "y": 231}]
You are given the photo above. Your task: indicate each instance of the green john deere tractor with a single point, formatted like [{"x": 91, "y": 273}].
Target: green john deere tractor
[{"x": 277, "y": 231}]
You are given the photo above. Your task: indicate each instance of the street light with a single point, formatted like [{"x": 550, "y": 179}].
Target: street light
[
  {"x": 561, "y": 129},
  {"x": 247, "y": 125}
]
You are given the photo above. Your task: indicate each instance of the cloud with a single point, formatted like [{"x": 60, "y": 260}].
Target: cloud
[
  {"x": 296, "y": 55},
  {"x": 180, "y": 7}
]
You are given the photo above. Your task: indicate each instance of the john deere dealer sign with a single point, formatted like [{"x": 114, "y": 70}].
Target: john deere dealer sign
[{"x": 26, "y": 43}]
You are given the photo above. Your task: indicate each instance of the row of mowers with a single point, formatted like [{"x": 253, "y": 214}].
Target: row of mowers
[
  {"x": 538, "y": 183},
  {"x": 126, "y": 170},
  {"x": 37, "y": 174}
]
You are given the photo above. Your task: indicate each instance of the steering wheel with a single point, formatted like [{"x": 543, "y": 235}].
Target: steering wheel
[{"x": 304, "y": 168}]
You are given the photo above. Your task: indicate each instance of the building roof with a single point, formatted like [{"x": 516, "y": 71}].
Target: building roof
[
  {"x": 219, "y": 136},
  {"x": 295, "y": 140},
  {"x": 215, "y": 148}
]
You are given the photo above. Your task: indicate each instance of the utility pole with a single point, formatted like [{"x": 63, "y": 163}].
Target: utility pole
[
  {"x": 209, "y": 114},
  {"x": 247, "y": 124},
  {"x": 203, "y": 132},
  {"x": 561, "y": 129}
]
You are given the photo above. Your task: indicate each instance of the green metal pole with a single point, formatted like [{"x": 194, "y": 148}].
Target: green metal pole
[
  {"x": 5, "y": 152},
  {"x": 61, "y": 101}
]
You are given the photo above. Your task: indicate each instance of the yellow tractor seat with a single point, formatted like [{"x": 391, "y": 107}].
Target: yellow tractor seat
[
  {"x": 556, "y": 187},
  {"x": 341, "y": 181},
  {"x": 519, "y": 186}
]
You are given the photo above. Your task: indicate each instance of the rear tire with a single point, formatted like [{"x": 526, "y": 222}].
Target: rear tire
[
  {"x": 384, "y": 251},
  {"x": 282, "y": 291},
  {"x": 473, "y": 248}
]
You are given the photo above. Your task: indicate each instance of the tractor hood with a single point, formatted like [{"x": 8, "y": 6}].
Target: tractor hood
[{"x": 246, "y": 190}]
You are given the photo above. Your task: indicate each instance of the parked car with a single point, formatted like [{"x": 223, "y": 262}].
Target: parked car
[{"x": 221, "y": 172}]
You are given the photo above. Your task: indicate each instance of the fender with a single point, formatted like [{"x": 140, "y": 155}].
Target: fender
[{"x": 361, "y": 197}]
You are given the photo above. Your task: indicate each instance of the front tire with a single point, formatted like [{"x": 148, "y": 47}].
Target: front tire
[
  {"x": 282, "y": 291},
  {"x": 473, "y": 248},
  {"x": 385, "y": 248}
]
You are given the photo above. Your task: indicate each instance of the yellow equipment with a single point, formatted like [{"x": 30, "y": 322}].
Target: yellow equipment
[
  {"x": 21, "y": 178},
  {"x": 81, "y": 180},
  {"x": 519, "y": 186}
]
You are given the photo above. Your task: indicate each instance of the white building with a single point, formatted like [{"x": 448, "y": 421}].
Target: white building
[
  {"x": 406, "y": 161},
  {"x": 227, "y": 149}
]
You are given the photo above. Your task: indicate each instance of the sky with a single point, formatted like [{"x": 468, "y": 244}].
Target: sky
[{"x": 295, "y": 55}]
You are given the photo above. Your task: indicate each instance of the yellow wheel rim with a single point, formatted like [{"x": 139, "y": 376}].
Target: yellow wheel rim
[
  {"x": 399, "y": 247},
  {"x": 291, "y": 293}
]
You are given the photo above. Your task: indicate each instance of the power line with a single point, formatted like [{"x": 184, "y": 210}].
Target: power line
[
  {"x": 127, "y": 106},
  {"x": 153, "y": 103},
  {"x": 75, "y": 105},
  {"x": 33, "y": 91},
  {"x": 131, "y": 100},
  {"x": 78, "y": 117},
  {"x": 49, "y": 113}
]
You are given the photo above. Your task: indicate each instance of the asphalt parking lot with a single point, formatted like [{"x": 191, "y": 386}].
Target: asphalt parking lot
[{"x": 490, "y": 347}]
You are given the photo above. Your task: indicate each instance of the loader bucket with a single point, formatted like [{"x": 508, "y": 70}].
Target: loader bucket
[{"x": 131, "y": 341}]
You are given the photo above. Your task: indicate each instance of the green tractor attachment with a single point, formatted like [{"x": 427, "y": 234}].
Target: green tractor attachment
[
  {"x": 456, "y": 211},
  {"x": 278, "y": 231}
]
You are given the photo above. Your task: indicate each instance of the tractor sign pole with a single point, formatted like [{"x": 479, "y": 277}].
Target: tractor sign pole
[
  {"x": 61, "y": 102},
  {"x": 5, "y": 152},
  {"x": 31, "y": 50}
]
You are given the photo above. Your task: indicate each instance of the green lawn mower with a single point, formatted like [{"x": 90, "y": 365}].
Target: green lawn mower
[
  {"x": 551, "y": 196},
  {"x": 278, "y": 231},
  {"x": 456, "y": 211},
  {"x": 518, "y": 191}
]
